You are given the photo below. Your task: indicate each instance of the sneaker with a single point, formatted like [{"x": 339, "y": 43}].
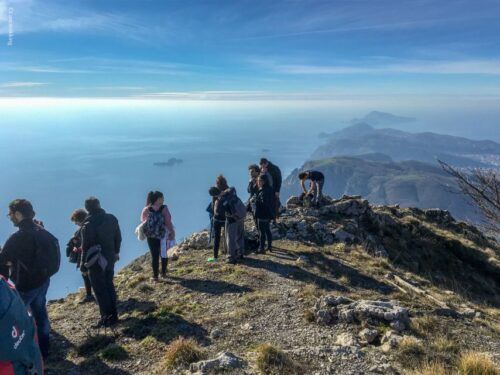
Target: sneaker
[
  {"x": 154, "y": 279},
  {"x": 88, "y": 298},
  {"x": 211, "y": 260}
]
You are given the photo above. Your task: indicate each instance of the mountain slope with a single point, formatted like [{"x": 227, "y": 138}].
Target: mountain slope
[
  {"x": 280, "y": 298},
  {"x": 408, "y": 183},
  {"x": 362, "y": 138}
]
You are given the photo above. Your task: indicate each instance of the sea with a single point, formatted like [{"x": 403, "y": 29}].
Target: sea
[{"x": 56, "y": 153}]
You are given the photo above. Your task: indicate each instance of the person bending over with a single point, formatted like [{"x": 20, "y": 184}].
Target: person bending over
[{"x": 317, "y": 181}]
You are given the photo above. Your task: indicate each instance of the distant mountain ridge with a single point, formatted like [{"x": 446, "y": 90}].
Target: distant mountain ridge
[
  {"x": 377, "y": 118},
  {"x": 381, "y": 181},
  {"x": 362, "y": 138}
]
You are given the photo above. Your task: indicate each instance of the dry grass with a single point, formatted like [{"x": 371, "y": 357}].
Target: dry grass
[
  {"x": 424, "y": 326},
  {"x": 182, "y": 352},
  {"x": 474, "y": 363},
  {"x": 309, "y": 316},
  {"x": 435, "y": 368},
  {"x": 271, "y": 360},
  {"x": 411, "y": 352}
]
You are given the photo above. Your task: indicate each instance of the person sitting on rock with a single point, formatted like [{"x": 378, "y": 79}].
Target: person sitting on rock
[
  {"x": 317, "y": 180},
  {"x": 74, "y": 251},
  {"x": 264, "y": 213}
]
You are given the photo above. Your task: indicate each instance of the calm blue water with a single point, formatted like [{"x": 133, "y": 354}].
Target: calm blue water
[{"x": 56, "y": 155}]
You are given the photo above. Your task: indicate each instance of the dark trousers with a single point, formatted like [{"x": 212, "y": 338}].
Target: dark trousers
[
  {"x": 104, "y": 289},
  {"x": 36, "y": 300},
  {"x": 155, "y": 250},
  {"x": 88, "y": 286},
  {"x": 264, "y": 232},
  {"x": 218, "y": 225}
]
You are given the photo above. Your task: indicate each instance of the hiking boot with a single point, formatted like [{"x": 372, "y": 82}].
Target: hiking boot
[
  {"x": 154, "y": 279},
  {"x": 112, "y": 320},
  {"x": 163, "y": 275},
  {"x": 101, "y": 323},
  {"x": 231, "y": 261},
  {"x": 88, "y": 298}
]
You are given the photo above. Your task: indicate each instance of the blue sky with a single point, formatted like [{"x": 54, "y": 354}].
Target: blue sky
[{"x": 256, "y": 49}]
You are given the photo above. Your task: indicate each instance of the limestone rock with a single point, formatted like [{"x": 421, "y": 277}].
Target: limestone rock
[
  {"x": 223, "y": 362},
  {"x": 368, "y": 335}
]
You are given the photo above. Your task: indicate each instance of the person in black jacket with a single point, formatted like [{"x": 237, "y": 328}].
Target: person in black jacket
[
  {"x": 102, "y": 229},
  {"x": 264, "y": 213},
  {"x": 18, "y": 261},
  {"x": 217, "y": 220},
  {"x": 253, "y": 189},
  {"x": 74, "y": 251},
  {"x": 267, "y": 167}
]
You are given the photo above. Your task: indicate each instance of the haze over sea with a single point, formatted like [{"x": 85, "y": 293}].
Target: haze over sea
[{"x": 58, "y": 152}]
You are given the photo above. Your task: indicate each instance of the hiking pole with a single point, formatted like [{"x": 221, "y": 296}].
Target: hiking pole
[{"x": 224, "y": 247}]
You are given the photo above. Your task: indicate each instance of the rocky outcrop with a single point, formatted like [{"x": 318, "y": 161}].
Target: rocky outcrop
[{"x": 332, "y": 309}]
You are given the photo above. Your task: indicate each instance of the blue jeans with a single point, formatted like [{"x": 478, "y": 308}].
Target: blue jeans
[{"x": 36, "y": 300}]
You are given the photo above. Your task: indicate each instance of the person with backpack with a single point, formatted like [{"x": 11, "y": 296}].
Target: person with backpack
[
  {"x": 316, "y": 189},
  {"x": 19, "y": 349},
  {"x": 74, "y": 252},
  {"x": 276, "y": 179},
  {"x": 30, "y": 257},
  {"x": 159, "y": 231},
  {"x": 232, "y": 208},
  {"x": 101, "y": 241},
  {"x": 216, "y": 221},
  {"x": 264, "y": 213}
]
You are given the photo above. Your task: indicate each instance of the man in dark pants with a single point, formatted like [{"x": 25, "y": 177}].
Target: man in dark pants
[
  {"x": 317, "y": 181},
  {"x": 101, "y": 228},
  {"x": 267, "y": 167},
  {"x": 19, "y": 258}
]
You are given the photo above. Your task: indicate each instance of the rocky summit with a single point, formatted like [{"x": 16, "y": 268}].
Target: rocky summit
[{"x": 349, "y": 288}]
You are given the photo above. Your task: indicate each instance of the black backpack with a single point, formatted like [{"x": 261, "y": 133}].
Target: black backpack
[
  {"x": 154, "y": 227},
  {"x": 47, "y": 256}
]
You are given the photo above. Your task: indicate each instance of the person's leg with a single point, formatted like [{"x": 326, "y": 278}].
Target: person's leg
[
  {"x": 37, "y": 300},
  {"x": 164, "y": 264},
  {"x": 231, "y": 241},
  {"x": 262, "y": 235},
  {"x": 240, "y": 228},
  {"x": 154, "y": 249},
  {"x": 217, "y": 231},
  {"x": 86, "y": 282},
  {"x": 111, "y": 313},
  {"x": 320, "y": 190},
  {"x": 98, "y": 282},
  {"x": 268, "y": 234}
]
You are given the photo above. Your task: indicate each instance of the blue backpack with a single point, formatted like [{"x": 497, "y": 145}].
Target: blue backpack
[
  {"x": 155, "y": 224},
  {"x": 19, "y": 352}
]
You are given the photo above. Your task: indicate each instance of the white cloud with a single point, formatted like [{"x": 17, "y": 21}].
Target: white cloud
[
  {"x": 21, "y": 84},
  {"x": 486, "y": 67}
]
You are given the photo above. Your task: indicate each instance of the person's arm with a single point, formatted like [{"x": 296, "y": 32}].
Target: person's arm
[
  {"x": 168, "y": 223},
  {"x": 7, "y": 255},
  {"x": 88, "y": 236},
  {"x": 144, "y": 214},
  {"x": 303, "y": 185},
  {"x": 279, "y": 180},
  {"x": 312, "y": 187},
  {"x": 118, "y": 239}
]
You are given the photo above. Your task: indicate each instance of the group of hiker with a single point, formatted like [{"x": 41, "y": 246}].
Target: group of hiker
[{"x": 31, "y": 255}]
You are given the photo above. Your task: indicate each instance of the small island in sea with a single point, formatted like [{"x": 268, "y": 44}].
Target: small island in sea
[{"x": 169, "y": 163}]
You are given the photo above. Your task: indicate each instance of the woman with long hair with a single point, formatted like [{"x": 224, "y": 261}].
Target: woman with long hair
[{"x": 158, "y": 229}]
